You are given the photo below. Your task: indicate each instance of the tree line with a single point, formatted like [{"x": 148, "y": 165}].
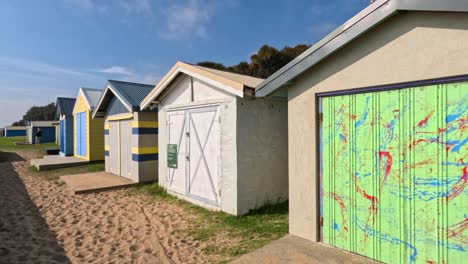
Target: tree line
[
  {"x": 262, "y": 64},
  {"x": 37, "y": 113}
]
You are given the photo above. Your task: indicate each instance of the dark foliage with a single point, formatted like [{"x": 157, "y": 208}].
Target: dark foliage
[
  {"x": 264, "y": 63},
  {"x": 37, "y": 113}
]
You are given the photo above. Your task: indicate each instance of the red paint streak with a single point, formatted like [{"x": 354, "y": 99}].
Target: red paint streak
[
  {"x": 460, "y": 185},
  {"x": 396, "y": 110},
  {"x": 372, "y": 199},
  {"x": 388, "y": 165},
  {"x": 424, "y": 121},
  {"x": 431, "y": 262},
  {"x": 457, "y": 229},
  {"x": 416, "y": 143},
  {"x": 344, "y": 210},
  {"x": 353, "y": 117}
]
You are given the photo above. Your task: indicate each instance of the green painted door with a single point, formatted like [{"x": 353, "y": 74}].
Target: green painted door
[{"x": 394, "y": 174}]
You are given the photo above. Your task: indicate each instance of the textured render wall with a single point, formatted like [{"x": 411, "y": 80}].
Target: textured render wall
[
  {"x": 145, "y": 171},
  {"x": 262, "y": 152},
  {"x": 408, "y": 47},
  {"x": 227, "y": 103}
]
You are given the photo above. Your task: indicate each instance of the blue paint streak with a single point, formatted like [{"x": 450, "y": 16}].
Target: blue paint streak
[
  {"x": 363, "y": 118},
  {"x": 336, "y": 227},
  {"x": 343, "y": 137},
  {"x": 458, "y": 147},
  {"x": 453, "y": 164},
  {"x": 386, "y": 237}
]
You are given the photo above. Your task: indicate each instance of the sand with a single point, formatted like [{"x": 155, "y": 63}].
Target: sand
[{"x": 42, "y": 221}]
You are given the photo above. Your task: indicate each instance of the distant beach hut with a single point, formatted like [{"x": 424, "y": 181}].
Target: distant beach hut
[
  {"x": 131, "y": 135},
  {"x": 47, "y": 130},
  {"x": 88, "y": 133},
  {"x": 64, "y": 113},
  {"x": 15, "y": 131}
]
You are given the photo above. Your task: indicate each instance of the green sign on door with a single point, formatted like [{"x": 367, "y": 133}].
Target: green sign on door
[{"x": 172, "y": 156}]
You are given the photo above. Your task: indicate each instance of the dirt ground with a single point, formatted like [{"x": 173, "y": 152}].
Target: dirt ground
[{"x": 43, "y": 222}]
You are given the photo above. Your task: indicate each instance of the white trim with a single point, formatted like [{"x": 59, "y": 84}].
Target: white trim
[
  {"x": 108, "y": 87},
  {"x": 214, "y": 83},
  {"x": 85, "y": 99},
  {"x": 226, "y": 88}
]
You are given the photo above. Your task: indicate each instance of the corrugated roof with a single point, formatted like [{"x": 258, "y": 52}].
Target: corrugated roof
[
  {"x": 65, "y": 106},
  {"x": 92, "y": 96},
  {"x": 364, "y": 21},
  {"x": 132, "y": 93},
  {"x": 128, "y": 93},
  {"x": 231, "y": 82}
]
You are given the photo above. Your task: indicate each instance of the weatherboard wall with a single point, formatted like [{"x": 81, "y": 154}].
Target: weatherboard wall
[
  {"x": 94, "y": 138},
  {"x": 139, "y": 160},
  {"x": 368, "y": 61}
]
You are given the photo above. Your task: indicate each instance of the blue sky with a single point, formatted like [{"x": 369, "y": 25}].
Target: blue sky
[{"x": 50, "y": 48}]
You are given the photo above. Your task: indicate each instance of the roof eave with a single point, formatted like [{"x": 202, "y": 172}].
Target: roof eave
[{"x": 364, "y": 21}]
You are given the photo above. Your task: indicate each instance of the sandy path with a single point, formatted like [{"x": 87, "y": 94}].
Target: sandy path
[{"x": 109, "y": 227}]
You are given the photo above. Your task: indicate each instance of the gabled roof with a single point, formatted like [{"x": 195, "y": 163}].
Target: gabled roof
[
  {"x": 230, "y": 82},
  {"x": 364, "y": 21},
  {"x": 91, "y": 97},
  {"x": 130, "y": 94},
  {"x": 64, "y": 106}
]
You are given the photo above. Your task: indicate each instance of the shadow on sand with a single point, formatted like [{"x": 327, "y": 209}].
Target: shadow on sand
[
  {"x": 24, "y": 234},
  {"x": 10, "y": 157}
]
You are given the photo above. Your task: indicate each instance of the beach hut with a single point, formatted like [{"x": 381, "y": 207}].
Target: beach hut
[
  {"x": 378, "y": 137},
  {"x": 64, "y": 113},
  {"x": 88, "y": 132},
  {"x": 219, "y": 146},
  {"x": 131, "y": 135},
  {"x": 47, "y": 128},
  {"x": 15, "y": 131}
]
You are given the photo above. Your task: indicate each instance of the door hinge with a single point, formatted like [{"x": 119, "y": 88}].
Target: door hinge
[{"x": 321, "y": 221}]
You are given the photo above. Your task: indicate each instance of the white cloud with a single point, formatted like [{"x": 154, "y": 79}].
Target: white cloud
[
  {"x": 186, "y": 20},
  {"x": 24, "y": 83},
  {"x": 103, "y": 6},
  {"x": 118, "y": 70}
]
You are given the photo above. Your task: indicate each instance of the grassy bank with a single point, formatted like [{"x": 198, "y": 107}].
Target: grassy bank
[
  {"x": 8, "y": 144},
  {"x": 8, "y": 151},
  {"x": 249, "y": 232}
]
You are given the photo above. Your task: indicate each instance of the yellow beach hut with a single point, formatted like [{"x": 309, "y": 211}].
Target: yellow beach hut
[{"x": 88, "y": 132}]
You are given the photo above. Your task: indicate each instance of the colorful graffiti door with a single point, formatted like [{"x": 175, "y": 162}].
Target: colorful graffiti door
[{"x": 394, "y": 173}]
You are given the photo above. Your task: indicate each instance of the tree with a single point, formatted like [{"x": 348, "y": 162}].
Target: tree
[
  {"x": 264, "y": 63},
  {"x": 212, "y": 65},
  {"x": 37, "y": 113}
]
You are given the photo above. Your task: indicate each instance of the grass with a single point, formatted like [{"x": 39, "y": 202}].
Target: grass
[
  {"x": 248, "y": 232},
  {"x": 54, "y": 175},
  {"x": 8, "y": 144}
]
